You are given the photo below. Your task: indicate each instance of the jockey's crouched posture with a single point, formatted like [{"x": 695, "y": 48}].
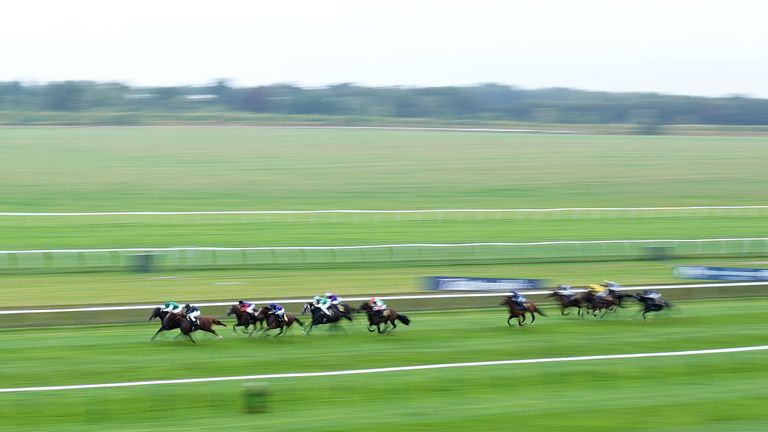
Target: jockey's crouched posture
[
  {"x": 378, "y": 306},
  {"x": 323, "y": 303},
  {"x": 193, "y": 312},
  {"x": 247, "y": 306},
  {"x": 335, "y": 301},
  {"x": 171, "y": 307},
  {"x": 277, "y": 310},
  {"x": 654, "y": 296},
  {"x": 565, "y": 291},
  {"x": 519, "y": 299}
]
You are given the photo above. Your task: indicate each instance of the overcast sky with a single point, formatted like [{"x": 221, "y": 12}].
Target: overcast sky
[{"x": 700, "y": 47}]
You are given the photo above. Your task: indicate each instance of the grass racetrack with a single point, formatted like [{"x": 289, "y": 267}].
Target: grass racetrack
[
  {"x": 242, "y": 168},
  {"x": 693, "y": 393}
]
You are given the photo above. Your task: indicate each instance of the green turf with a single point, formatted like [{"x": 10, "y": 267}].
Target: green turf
[
  {"x": 194, "y": 168},
  {"x": 714, "y": 392},
  {"x": 229, "y": 285},
  {"x": 210, "y": 168}
]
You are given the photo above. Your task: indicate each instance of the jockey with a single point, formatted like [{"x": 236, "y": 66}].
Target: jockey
[
  {"x": 277, "y": 310},
  {"x": 653, "y": 295},
  {"x": 335, "y": 301},
  {"x": 333, "y": 298},
  {"x": 247, "y": 306},
  {"x": 378, "y": 305},
  {"x": 600, "y": 291},
  {"x": 192, "y": 313},
  {"x": 610, "y": 288},
  {"x": 564, "y": 290},
  {"x": 171, "y": 307},
  {"x": 518, "y": 298},
  {"x": 323, "y": 303}
]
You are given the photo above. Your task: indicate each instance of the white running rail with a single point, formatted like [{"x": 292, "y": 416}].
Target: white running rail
[
  {"x": 416, "y": 211},
  {"x": 148, "y": 307},
  {"x": 390, "y": 369},
  {"x": 386, "y": 246}
]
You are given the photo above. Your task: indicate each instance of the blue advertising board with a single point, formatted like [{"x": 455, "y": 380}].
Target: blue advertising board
[
  {"x": 452, "y": 283},
  {"x": 721, "y": 273}
]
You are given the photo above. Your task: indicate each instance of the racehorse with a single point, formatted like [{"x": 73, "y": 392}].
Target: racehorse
[
  {"x": 160, "y": 314},
  {"x": 651, "y": 305},
  {"x": 320, "y": 317},
  {"x": 204, "y": 323},
  {"x": 387, "y": 317},
  {"x": 272, "y": 322},
  {"x": 244, "y": 319},
  {"x": 516, "y": 312},
  {"x": 605, "y": 304},
  {"x": 568, "y": 301}
]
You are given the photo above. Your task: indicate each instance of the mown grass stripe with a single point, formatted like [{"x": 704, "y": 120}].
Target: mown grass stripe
[{"x": 388, "y": 369}]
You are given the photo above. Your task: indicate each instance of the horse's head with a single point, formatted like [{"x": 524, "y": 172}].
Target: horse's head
[
  {"x": 506, "y": 301},
  {"x": 306, "y": 308},
  {"x": 233, "y": 310},
  {"x": 155, "y": 313},
  {"x": 261, "y": 313},
  {"x": 553, "y": 294},
  {"x": 366, "y": 307}
]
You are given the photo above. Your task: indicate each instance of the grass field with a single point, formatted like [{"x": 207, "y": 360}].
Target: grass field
[
  {"x": 99, "y": 169},
  {"x": 698, "y": 393},
  {"x": 226, "y": 168},
  {"x": 243, "y": 168}
]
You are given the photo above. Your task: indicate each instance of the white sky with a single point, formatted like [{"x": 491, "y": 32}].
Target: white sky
[{"x": 673, "y": 46}]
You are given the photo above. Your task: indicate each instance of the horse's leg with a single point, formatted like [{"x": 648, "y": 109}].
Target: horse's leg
[
  {"x": 509, "y": 323},
  {"x": 188, "y": 336},
  {"x": 378, "y": 328},
  {"x": 533, "y": 317},
  {"x": 157, "y": 333},
  {"x": 211, "y": 331}
]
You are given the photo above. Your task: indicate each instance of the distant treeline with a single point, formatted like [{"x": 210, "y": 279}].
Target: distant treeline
[{"x": 490, "y": 102}]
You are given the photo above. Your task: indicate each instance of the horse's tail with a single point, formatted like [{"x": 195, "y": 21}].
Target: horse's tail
[
  {"x": 403, "y": 319},
  {"x": 215, "y": 321},
  {"x": 539, "y": 311},
  {"x": 298, "y": 321}
]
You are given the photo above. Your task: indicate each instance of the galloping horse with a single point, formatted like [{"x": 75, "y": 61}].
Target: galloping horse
[
  {"x": 272, "y": 322},
  {"x": 650, "y": 305},
  {"x": 388, "y": 317},
  {"x": 320, "y": 317},
  {"x": 516, "y": 312},
  {"x": 160, "y": 314},
  {"x": 605, "y": 304},
  {"x": 568, "y": 301},
  {"x": 244, "y": 319},
  {"x": 172, "y": 321},
  {"x": 204, "y": 323}
]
